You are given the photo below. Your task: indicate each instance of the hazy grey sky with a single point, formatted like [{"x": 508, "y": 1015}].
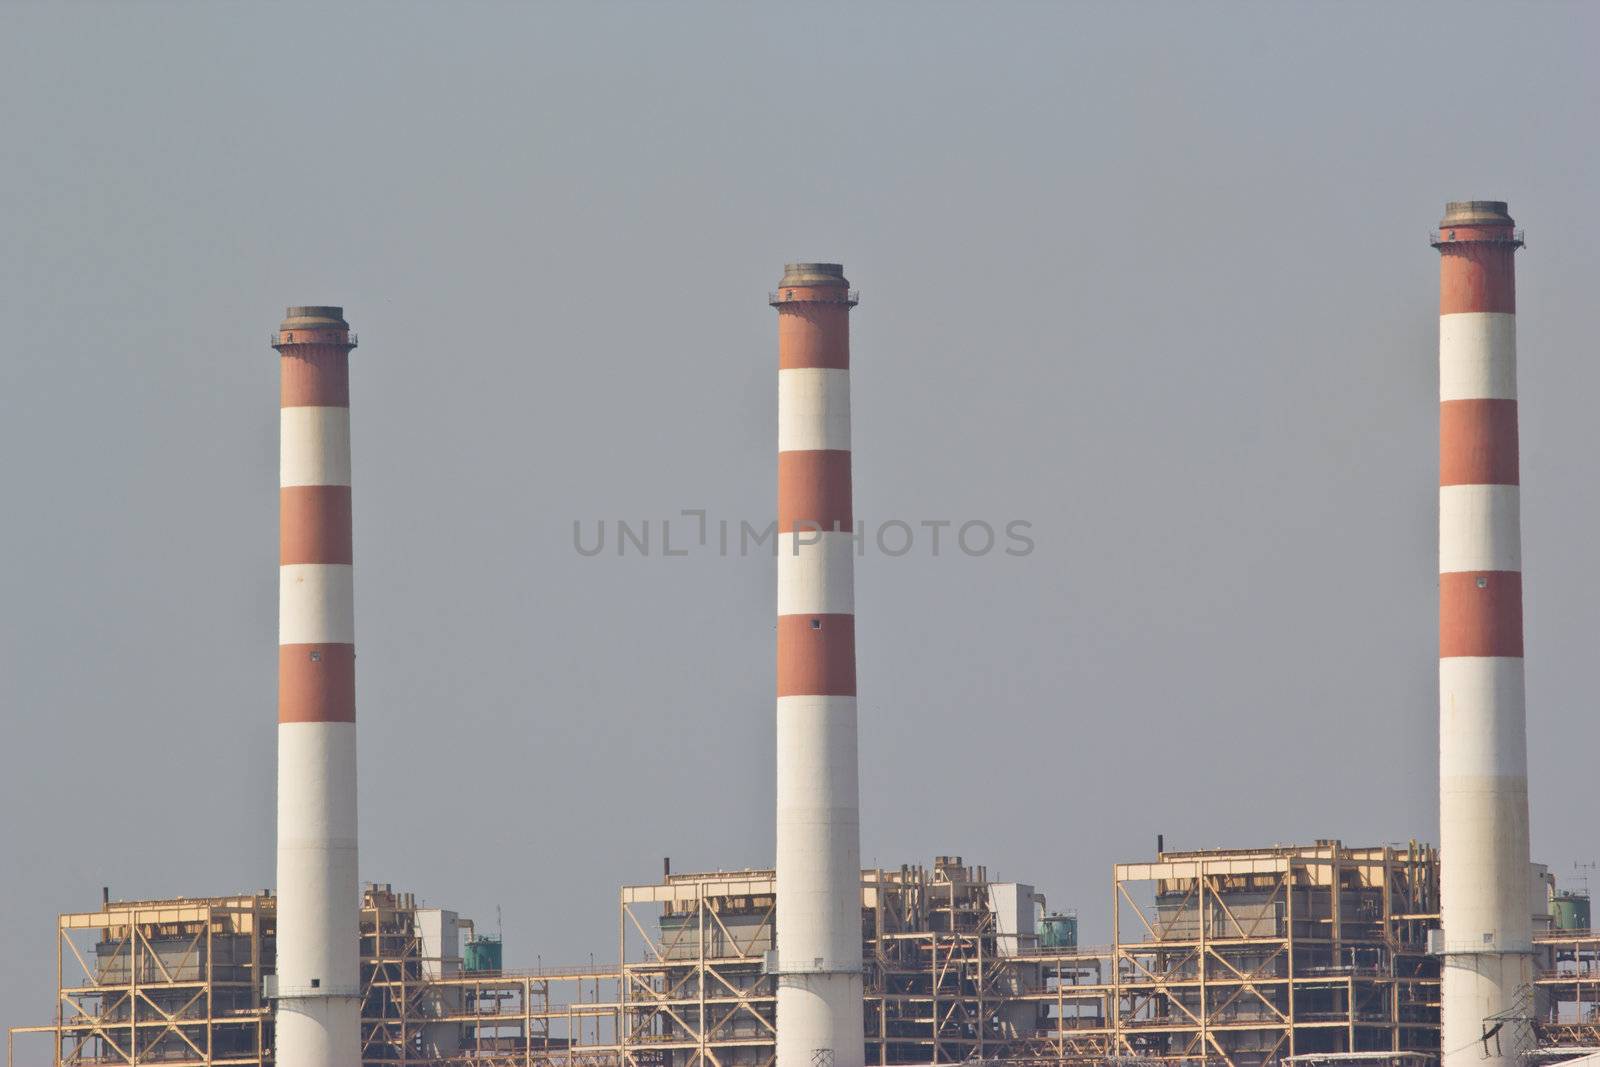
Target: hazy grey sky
[{"x": 1154, "y": 278}]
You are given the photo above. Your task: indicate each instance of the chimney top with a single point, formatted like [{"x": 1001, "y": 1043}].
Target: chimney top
[
  {"x": 813, "y": 274},
  {"x": 1476, "y": 213},
  {"x": 314, "y": 317}
]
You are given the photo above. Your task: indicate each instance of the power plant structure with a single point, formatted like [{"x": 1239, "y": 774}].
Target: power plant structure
[
  {"x": 1239, "y": 957},
  {"x": 317, "y": 978},
  {"x": 1318, "y": 954},
  {"x": 1486, "y": 940},
  {"x": 818, "y": 961}
]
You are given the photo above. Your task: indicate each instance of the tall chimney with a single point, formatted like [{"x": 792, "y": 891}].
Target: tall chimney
[
  {"x": 1483, "y": 760},
  {"x": 318, "y": 917},
  {"x": 818, "y": 917}
]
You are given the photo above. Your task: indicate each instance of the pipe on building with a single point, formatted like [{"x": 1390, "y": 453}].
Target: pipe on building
[
  {"x": 1483, "y": 762},
  {"x": 318, "y": 1021},
  {"x": 818, "y": 876}
]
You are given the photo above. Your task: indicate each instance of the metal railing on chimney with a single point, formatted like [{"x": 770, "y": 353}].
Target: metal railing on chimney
[
  {"x": 815, "y": 295},
  {"x": 1448, "y": 237}
]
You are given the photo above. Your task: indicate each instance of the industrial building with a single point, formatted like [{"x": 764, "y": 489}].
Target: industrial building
[
  {"x": 1234, "y": 957},
  {"x": 1306, "y": 954}
]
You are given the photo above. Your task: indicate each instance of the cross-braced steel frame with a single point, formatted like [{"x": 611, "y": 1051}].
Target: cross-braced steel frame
[
  {"x": 1567, "y": 987},
  {"x": 1246, "y": 958},
  {"x": 176, "y": 982},
  {"x": 1231, "y": 958}
]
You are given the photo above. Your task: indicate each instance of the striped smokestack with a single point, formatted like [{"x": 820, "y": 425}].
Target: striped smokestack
[
  {"x": 818, "y": 918},
  {"x": 1483, "y": 762},
  {"x": 318, "y": 936}
]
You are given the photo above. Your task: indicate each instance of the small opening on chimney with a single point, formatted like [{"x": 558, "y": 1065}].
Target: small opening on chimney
[
  {"x": 816, "y": 624},
  {"x": 316, "y": 655},
  {"x": 1483, "y": 583},
  {"x": 316, "y": 983}
]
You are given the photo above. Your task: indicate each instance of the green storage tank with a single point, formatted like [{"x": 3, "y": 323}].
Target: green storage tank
[
  {"x": 1058, "y": 931},
  {"x": 1570, "y": 911},
  {"x": 482, "y": 956}
]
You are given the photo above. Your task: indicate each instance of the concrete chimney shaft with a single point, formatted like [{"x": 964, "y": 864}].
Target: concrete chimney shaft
[
  {"x": 318, "y": 1020},
  {"x": 820, "y": 1012},
  {"x": 1483, "y": 762}
]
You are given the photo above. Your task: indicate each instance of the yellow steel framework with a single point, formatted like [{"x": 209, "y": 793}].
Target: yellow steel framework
[
  {"x": 1232, "y": 958},
  {"x": 181, "y": 983},
  {"x": 693, "y": 987},
  {"x": 1249, "y": 957},
  {"x": 695, "y": 992},
  {"x": 174, "y": 981},
  {"x": 1567, "y": 984}
]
